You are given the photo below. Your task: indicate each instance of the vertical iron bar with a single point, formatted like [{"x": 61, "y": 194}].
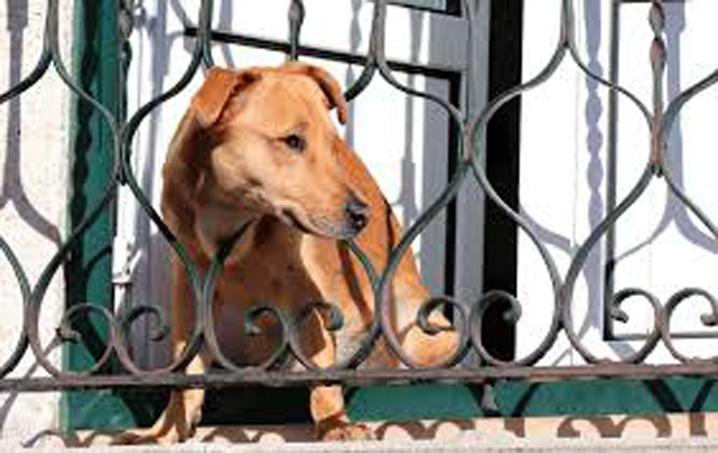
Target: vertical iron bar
[
  {"x": 657, "y": 19},
  {"x": 611, "y": 169},
  {"x": 296, "y": 19},
  {"x": 204, "y": 32}
]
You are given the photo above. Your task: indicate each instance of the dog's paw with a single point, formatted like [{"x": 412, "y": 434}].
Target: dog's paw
[
  {"x": 346, "y": 432},
  {"x": 162, "y": 433},
  {"x": 169, "y": 436}
]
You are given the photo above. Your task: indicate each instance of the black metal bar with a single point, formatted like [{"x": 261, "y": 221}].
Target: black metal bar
[
  {"x": 368, "y": 377},
  {"x": 296, "y": 19},
  {"x": 325, "y": 54}
]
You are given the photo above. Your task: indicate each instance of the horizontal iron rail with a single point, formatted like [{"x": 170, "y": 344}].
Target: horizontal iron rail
[
  {"x": 385, "y": 376},
  {"x": 431, "y": 70}
]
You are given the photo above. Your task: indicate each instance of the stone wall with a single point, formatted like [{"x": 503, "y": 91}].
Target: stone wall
[{"x": 34, "y": 163}]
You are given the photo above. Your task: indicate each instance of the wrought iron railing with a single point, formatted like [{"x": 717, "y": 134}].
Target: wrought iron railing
[{"x": 468, "y": 318}]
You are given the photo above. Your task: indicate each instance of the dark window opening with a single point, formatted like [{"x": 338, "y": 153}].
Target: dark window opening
[{"x": 502, "y": 163}]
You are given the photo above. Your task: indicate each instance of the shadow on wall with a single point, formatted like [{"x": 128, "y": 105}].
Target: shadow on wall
[
  {"x": 673, "y": 212},
  {"x": 12, "y": 190},
  {"x": 13, "y": 194}
]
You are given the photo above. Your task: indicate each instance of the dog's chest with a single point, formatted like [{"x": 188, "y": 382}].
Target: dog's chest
[
  {"x": 270, "y": 271},
  {"x": 251, "y": 283},
  {"x": 267, "y": 268}
]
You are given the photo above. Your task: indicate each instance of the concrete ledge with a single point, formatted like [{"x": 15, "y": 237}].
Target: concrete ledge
[
  {"x": 674, "y": 433},
  {"x": 479, "y": 446}
]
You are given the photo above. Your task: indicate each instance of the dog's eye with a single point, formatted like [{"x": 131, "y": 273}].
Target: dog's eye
[{"x": 295, "y": 142}]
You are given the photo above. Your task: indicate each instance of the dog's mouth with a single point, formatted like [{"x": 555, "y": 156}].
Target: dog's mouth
[
  {"x": 290, "y": 218},
  {"x": 329, "y": 229},
  {"x": 319, "y": 226}
]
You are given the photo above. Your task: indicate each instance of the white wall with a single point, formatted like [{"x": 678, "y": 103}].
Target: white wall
[
  {"x": 34, "y": 164},
  {"x": 660, "y": 246}
]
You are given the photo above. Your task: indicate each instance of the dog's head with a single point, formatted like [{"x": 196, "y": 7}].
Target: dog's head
[{"x": 273, "y": 149}]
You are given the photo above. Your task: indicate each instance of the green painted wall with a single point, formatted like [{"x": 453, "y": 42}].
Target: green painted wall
[{"x": 580, "y": 398}]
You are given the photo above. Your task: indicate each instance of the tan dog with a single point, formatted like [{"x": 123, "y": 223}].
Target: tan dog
[{"x": 257, "y": 148}]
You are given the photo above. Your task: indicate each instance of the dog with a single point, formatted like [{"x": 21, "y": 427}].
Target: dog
[{"x": 257, "y": 150}]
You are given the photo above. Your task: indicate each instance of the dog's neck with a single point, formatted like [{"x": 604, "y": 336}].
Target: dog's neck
[{"x": 215, "y": 225}]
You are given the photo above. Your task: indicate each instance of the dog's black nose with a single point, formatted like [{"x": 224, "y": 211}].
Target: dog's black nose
[{"x": 357, "y": 214}]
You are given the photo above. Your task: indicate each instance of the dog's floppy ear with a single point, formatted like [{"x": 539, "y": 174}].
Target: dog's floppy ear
[
  {"x": 328, "y": 84},
  {"x": 219, "y": 86}
]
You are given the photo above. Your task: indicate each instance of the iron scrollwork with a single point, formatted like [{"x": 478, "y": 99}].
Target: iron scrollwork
[{"x": 468, "y": 316}]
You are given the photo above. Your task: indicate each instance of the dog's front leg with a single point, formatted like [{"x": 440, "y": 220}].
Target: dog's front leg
[
  {"x": 184, "y": 411},
  {"x": 330, "y": 417},
  {"x": 176, "y": 424},
  {"x": 327, "y": 401}
]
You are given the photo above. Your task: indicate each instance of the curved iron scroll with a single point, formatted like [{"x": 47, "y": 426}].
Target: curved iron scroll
[{"x": 468, "y": 315}]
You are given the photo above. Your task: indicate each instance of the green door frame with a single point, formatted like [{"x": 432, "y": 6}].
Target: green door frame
[{"x": 88, "y": 273}]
